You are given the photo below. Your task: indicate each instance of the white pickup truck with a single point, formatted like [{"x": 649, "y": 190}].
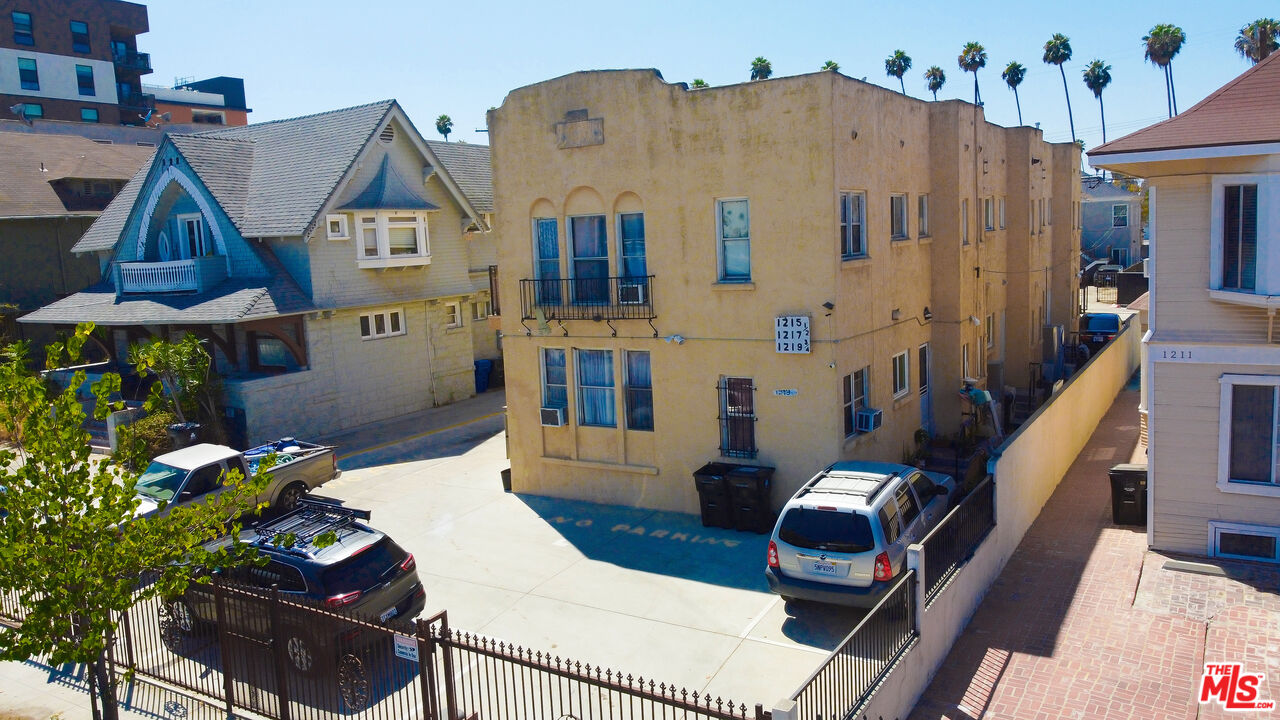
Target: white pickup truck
[{"x": 199, "y": 471}]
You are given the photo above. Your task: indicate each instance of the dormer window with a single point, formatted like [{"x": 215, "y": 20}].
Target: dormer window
[
  {"x": 391, "y": 238},
  {"x": 337, "y": 227},
  {"x": 194, "y": 236}
]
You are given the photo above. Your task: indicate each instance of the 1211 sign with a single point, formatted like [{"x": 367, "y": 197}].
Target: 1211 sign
[{"x": 791, "y": 333}]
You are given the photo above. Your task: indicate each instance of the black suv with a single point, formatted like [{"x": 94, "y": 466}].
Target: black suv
[{"x": 364, "y": 575}]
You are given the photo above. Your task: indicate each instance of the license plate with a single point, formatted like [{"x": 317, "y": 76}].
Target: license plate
[
  {"x": 822, "y": 567},
  {"x": 388, "y": 615},
  {"x": 1098, "y": 338}
]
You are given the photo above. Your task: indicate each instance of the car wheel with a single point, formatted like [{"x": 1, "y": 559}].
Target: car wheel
[
  {"x": 302, "y": 651},
  {"x": 178, "y": 623},
  {"x": 289, "y": 497},
  {"x": 183, "y": 618}
]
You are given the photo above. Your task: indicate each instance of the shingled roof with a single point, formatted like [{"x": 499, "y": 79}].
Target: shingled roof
[
  {"x": 469, "y": 166},
  {"x": 1245, "y": 111},
  {"x": 33, "y": 160}
]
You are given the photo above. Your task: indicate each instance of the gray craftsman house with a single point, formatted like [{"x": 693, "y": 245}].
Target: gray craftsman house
[{"x": 336, "y": 264}]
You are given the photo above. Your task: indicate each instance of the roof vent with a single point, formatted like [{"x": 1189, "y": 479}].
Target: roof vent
[{"x": 387, "y": 135}]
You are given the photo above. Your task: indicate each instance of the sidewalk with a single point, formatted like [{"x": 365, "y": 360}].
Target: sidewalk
[{"x": 1084, "y": 622}]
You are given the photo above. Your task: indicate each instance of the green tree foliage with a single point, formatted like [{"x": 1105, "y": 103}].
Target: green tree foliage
[
  {"x": 1159, "y": 46},
  {"x": 1013, "y": 75},
  {"x": 897, "y": 65},
  {"x": 699, "y": 83},
  {"x": 186, "y": 387},
  {"x": 444, "y": 126},
  {"x": 761, "y": 69},
  {"x": 1057, "y": 51},
  {"x": 973, "y": 57},
  {"x": 1097, "y": 76},
  {"x": 1258, "y": 39},
  {"x": 935, "y": 78},
  {"x": 71, "y": 549},
  {"x": 830, "y": 65}
]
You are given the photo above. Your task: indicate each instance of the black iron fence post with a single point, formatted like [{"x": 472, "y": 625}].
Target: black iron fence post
[
  {"x": 126, "y": 621},
  {"x": 278, "y": 650},
  {"x": 450, "y": 696},
  {"x": 427, "y": 670},
  {"x": 220, "y": 612}
]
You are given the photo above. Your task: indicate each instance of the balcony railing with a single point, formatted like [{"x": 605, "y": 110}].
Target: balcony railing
[
  {"x": 139, "y": 61},
  {"x": 607, "y": 298},
  {"x": 154, "y": 277}
]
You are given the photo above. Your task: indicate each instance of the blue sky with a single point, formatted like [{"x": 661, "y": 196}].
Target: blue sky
[{"x": 299, "y": 57}]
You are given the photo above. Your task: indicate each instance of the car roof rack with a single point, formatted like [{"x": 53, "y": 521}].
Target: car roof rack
[
  {"x": 870, "y": 495},
  {"x": 313, "y": 517}
]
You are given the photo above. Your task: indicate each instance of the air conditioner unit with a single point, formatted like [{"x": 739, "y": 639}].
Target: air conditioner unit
[
  {"x": 552, "y": 416},
  {"x": 1146, "y": 267},
  {"x": 868, "y": 420},
  {"x": 631, "y": 294}
]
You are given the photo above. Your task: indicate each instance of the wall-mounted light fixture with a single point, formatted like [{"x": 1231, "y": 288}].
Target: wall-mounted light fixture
[{"x": 928, "y": 314}]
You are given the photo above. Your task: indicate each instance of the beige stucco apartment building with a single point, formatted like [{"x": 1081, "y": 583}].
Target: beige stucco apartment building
[
  {"x": 749, "y": 273},
  {"x": 1211, "y": 372}
]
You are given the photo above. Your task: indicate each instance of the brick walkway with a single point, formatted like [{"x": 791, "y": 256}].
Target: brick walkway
[{"x": 1085, "y": 623}]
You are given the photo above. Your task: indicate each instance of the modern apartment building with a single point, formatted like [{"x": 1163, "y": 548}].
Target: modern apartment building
[
  {"x": 215, "y": 101},
  {"x": 74, "y": 60},
  {"x": 782, "y": 273},
  {"x": 1211, "y": 370}
]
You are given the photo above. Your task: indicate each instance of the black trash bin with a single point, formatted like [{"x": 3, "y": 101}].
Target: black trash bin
[
  {"x": 1129, "y": 494},
  {"x": 713, "y": 494},
  {"x": 183, "y": 434},
  {"x": 749, "y": 494}
]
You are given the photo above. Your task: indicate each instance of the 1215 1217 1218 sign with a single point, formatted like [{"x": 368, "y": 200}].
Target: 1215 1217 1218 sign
[{"x": 791, "y": 334}]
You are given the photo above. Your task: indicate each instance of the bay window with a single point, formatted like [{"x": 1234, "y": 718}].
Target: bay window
[{"x": 390, "y": 239}]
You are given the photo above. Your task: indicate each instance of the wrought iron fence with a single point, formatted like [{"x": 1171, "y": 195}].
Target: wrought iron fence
[
  {"x": 953, "y": 541},
  {"x": 854, "y": 670},
  {"x": 604, "y": 298}
]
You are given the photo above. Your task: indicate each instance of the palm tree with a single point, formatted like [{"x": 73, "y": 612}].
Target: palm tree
[
  {"x": 761, "y": 69},
  {"x": 936, "y": 79},
  {"x": 830, "y": 65},
  {"x": 1056, "y": 52},
  {"x": 972, "y": 58},
  {"x": 1258, "y": 39},
  {"x": 1162, "y": 43},
  {"x": 1097, "y": 75},
  {"x": 897, "y": 65},
  {"x": 444, "y": 126},
  {"x": 699, "y": 83},
  {"x": 1013, "y": 74}
]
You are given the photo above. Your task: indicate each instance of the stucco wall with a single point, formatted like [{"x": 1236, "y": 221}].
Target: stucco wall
[{"x": 1027, "y": 470}]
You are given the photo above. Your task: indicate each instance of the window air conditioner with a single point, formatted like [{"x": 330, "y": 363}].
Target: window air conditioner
[
  {"x": 1146, "y": 269},
  {"x": 868, "y": 420},
  {"x": 631, "y": 294},
  {"x": 552, "y": 416}
]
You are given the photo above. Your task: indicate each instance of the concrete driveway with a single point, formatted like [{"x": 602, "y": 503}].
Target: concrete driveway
[{"x": 649, "y": 593}]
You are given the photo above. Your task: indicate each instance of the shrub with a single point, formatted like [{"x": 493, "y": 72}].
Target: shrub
[{"x": 142, "y": 441}]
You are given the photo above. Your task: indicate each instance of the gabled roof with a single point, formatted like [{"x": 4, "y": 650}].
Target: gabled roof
[
  {"x": 388, "y": 191},
  {"x": 1245, "y": 111},
  {"x": 31, "y": 161},
  {"x": 469, "y": 166},
  {"x": 1095, "y": 188}
]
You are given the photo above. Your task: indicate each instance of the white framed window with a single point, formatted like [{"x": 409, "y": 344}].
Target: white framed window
[
  {"x": 901, "y": 373},
  {"x": 1001, "y": 212},
  {"x": 1243, "y": 541},
  {"x": 392, "y": 239},
  {"x": 922, "y": 215},
  {"x": 380, "y": 324},
  {"x": 480, "y": 310},
  {"x": 336, "y": 227},
  {"x": 857, "y": 388},
  {"x": 588, "y": 258},
  {"x": 990, "y": 330},
  {"x": 1120, "y": 215},
  {"x": 988, "y": 213},
  {"x": 638, "y": 389},
  {"x": 964, "y": 221},
  {"x": 853, "y": 224},
  {"x": 194, "y": 236},
  {"x": 1249, "y": 414},
  {"x": 1234, "y": 231},
  {"x": 555, "y": 380},
  {"x": 453, "y": 315},
  {"x": 596, "y": 403},
  {"x": 898, "y": 216},
  {"x": 733, "y": 231}
]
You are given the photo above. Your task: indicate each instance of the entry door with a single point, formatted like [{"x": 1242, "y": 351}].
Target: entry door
[{"x": 926, "y": 397}]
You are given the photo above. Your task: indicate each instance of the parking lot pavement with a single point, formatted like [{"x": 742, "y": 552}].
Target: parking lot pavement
[{"x": 649, "y": 593}]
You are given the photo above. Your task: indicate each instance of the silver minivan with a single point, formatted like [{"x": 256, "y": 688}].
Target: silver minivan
[{"x": 843, "y": 537}]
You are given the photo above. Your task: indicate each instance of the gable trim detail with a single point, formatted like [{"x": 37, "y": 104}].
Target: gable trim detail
[{"x": 171, "y": 175}]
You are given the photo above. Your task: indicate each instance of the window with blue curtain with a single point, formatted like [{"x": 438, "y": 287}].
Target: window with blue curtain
[
  {"x": 595, "y": 388},
  {"x": 639, "y": 387},
  {"x": 590, "y": 259},
  {"x": 547, "y": 247},
  {"x": 554, "y": 380},
  {"x": 735, "y": 241}
]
